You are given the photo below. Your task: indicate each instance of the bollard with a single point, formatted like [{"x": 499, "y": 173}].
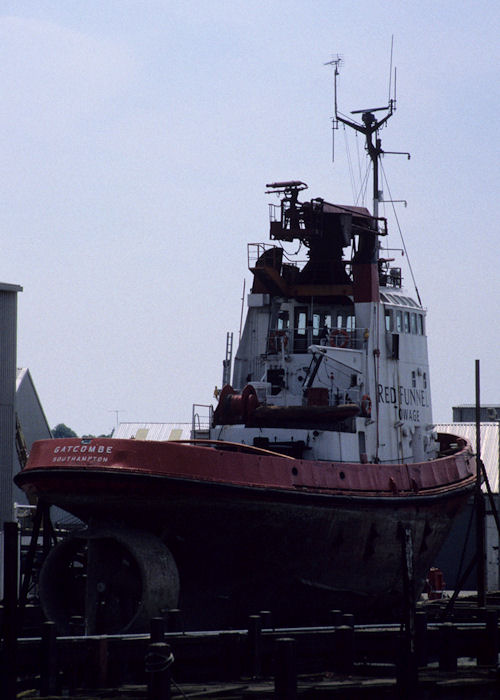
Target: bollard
[
  {"x": 95, "y": 667},
  {"x": 347, "y": 619},
  {"x": 406, "y": 669},
  {"x": 174, "y": 620},
  {"x": 285, "y": 673},
  {"x": 157, "y": 629},
  {"x": 344, "y": 649},
  {"x": 335, "y": 617},
  {"x": 77, "y": 625},
  {"x": 48, "y": 659},
  {"x": 10, "y": 620},
  {"x": 266, "y": 617},
  {"x": 255, "y": 645},
  {"x": 159, "y": 659},
  {"x": 421, "y": 637},
  {"x": 448, "y": 647},
  {"x": 488, "y": 646},
  {"x": 229, "y": 660}
]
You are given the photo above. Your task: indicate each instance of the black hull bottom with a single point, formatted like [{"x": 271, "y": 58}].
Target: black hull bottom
[{"x": 239, "y": 551}]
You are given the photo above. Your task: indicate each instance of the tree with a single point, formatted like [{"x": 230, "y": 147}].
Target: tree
[{"x": 62, "y": 431}]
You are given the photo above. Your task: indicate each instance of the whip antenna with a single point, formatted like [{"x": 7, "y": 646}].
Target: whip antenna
[
  {"x": 336, "y": 62},
  {"x": 390, "y": 71}
]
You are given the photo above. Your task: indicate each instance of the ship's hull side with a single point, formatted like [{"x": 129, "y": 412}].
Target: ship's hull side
[{"x": 244, "y": 547}]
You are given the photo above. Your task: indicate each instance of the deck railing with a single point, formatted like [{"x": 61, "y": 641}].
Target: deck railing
[{"x": 297, "y": 340}]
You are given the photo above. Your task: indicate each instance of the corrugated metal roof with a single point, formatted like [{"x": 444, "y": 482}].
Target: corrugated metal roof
[
  {"x": 489, "y": 445},
  {"x": 154, "y": 431},
  {"x": 182, "y": 431}
]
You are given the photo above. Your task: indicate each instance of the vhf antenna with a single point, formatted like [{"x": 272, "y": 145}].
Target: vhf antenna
[
  {"x": 390, "y": 73},
  {"x": 369, "y": 128},
  {"x": 336, "y": 62}
]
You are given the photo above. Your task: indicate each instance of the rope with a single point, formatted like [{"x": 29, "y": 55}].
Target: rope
[
  {"x": 401, "y": 234},
  {"x": 157, "y": 662}
]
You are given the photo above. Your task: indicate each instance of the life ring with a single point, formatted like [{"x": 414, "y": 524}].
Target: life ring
[
  {"x": 366, "y": 406},
  {"x": 338, "y": 333}
]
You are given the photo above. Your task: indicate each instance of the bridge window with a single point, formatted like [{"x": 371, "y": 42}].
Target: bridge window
[
  {"x": 283, "y": 320},
  {"x": 406, "y": 318},
  {"x": 421, "y": 324},
  {"x": 399, "y": 321},
  {"x": 388, "y": 320}
]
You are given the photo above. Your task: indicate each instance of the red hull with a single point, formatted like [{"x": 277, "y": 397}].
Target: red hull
[{"x": 261, "y": 530}]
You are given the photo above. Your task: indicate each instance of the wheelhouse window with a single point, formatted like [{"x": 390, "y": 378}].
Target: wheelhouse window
[
  {"x": 406, "y": 319},
  {"x": 388, "y": 320},
  {"x": 322, "y": 323},
  {"x": 421, "y": 324},
  {"x": 399, "y": 321},
  {"x": 283, "y": 320}
]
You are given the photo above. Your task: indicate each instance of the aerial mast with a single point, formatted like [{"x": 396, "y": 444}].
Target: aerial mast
[{"x": 369, "y": 129}]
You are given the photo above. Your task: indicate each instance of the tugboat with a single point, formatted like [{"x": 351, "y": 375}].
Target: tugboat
[{"x": 320, "y": 481}]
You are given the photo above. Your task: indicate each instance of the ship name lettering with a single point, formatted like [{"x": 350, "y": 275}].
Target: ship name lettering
[
  {"x": 402, "y": 396},
  {"x": 91, "y": 460},
  {"x": 81, "y": 449}
]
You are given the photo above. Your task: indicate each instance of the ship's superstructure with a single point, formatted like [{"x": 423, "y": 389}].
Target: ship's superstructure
[{"x": 332, "y": 363}]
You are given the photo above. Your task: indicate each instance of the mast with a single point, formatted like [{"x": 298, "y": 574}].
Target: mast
[{"x": 369, "y": 129}]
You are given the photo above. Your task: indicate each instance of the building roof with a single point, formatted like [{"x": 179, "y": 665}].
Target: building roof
[
  {"x": 489, "y": 445},
  {"x": 154, "y": 431},
  {"x": 6, "y": 287}
]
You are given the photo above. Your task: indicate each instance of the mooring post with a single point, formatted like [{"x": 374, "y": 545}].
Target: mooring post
[
  {"x": 48, "y": 659},
  {"x": 421, "y": 637},
  {"x": 285, "y": 669},
  {"x": 488, "y": 647},
  {"x": 230, "y": 662},
  {"x": 255, "y": 645},
  {"x": 479, "y": 504},
  {"x": 98, "y": 653},
  {"x": 174, "y": 620},
  {"x": 159, "y": 659},
  {"x": 266, "y": 617},
  {"x": 343, "y": 661},
  {"x": 347, "y": 619},
  {"x": 448, "y": 647},
  {"x": 77, "y": 625},
  {"x": 10, "y": 621},
  {"x": 335, "y": 617},
  {"x": 407, "y": 657},
  {"x": 157, "y": 630}
]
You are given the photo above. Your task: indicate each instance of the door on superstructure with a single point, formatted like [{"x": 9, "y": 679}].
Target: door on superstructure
[{"x": 300, "y": 329}]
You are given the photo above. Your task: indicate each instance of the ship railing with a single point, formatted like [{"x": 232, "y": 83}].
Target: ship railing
[
  {"x": 261, "y": 255},
  {"x": 201, "y": 421},
  {"x": 391, "y": 277},
  {"x": 298, "y": 340},
  {"x": 255, "y": 252}
]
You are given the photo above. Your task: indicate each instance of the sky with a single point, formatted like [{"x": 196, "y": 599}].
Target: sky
[{"x": 136, "y": 139}]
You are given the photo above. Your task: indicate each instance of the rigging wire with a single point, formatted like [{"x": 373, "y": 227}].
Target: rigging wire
[
  {"x": 358, "y": 154},
  {"x": 401, "y": 234},
  {"x": 361, "y": 198},
  {"x": 349, "y": 163}
]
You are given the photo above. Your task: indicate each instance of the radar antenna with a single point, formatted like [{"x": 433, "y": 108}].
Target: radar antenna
[{"x": 369, "y": 129}]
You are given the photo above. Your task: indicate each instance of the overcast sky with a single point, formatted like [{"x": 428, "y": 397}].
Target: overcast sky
[{"x": 136, "y": 140}]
